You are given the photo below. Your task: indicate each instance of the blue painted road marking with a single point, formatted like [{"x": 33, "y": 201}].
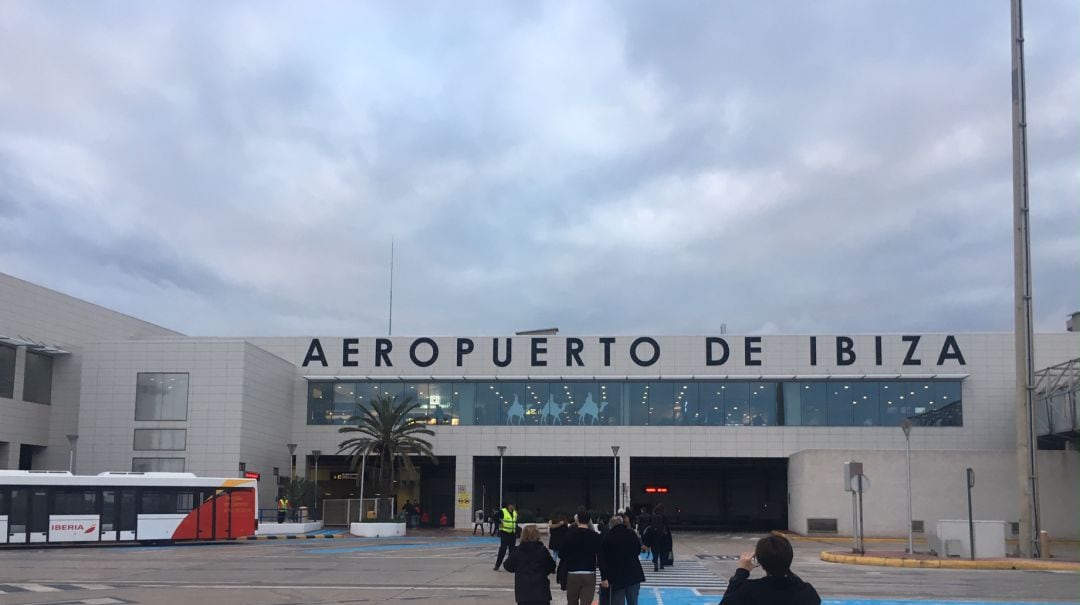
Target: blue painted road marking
[{"x": 391, "y": 547}]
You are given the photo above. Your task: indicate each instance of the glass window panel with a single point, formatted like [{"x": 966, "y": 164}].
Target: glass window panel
[
  {"x": 7, "y": 371},
  {"x": 344, "y": 403},
  {"x": 513, "y": 404},
  {"x": 320, "y": 402},
  {"x": 160, "y": 439},
  {"x": 563, "y": 393},
  {"x": 488, "y": 405},
  {"x": 710, "y": 405},
  {"x": 37, "y": 383},
  {"x": 418, "y": 392},
  {"x": 74, "y": 501},
  {"x": 686, "y": 403},
  {"x": 541, "y": 398},
  {"x": 595, "y": 408},
  {"x": 637, "y": 400},
  {"x": 441, "y": 403},
  {"x": 736, "y": 403},
  {"x": 765, "y": 403},
  {"x": 947, "y": 405},
  {"x": 161, "y": 396},
  {"x": 464, "y": 403},
  {"x": 841, "y": 403},
  {"x": 366, "y": 392},
  {"x": 865, "y": 407},
  {"x": 792, "y": 403},
  {"x": 611, "y": 414},
  {"x": 661, "y": 403},
  {"x": 160, "y": 465},
  {"x": 814, "y": 399},
  {"x": 395, "y": 390},
  {"x": 891, "y": 399}
]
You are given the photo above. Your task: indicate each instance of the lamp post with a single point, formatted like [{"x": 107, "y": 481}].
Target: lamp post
[
  {"x": 502, "y": 450},
  {"x": 72, "y": 440},
  {"x": 363, "y": 467},
  {"x": 906, "y": 427},
  {"x": 615, "y": 480},
  {"x": 316, "y": 454},
  {"x": 292, "y": 459}
]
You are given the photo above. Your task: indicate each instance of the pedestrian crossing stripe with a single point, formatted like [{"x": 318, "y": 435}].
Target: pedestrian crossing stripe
[
  {"x": 684, "y": 574},
  {"x": 24, "y": 587}
]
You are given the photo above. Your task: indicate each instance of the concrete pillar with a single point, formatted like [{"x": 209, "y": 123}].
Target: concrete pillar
[
  {"x": 20, "y": 374},
  {"x": 463, "y": 485},
  {"x": 9, "y": 456}
]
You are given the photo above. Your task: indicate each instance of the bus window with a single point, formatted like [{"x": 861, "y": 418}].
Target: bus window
[
  {"x": 108, "y": 511},
  {"x": 74, "y": 501},
  {"x": 128, "y": 516}
]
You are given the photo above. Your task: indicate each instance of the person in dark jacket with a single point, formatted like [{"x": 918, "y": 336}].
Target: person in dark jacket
[
  {"x": 779, "y": 586},
  {"x": 556, "y": 534},
  {"x": 657, "y": 537},
  {"x": 531, "y": 565},
  {"x": 620, "y": 569},
  {"x": 580, "y": 554}
]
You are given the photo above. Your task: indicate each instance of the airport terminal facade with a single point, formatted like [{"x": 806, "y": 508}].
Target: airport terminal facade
[{"x": 738, "y": 431}]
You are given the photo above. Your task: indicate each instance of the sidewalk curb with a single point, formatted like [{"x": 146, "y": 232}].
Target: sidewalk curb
[
  {"x": 792, "y": 536},
  {"x": 1018, "y": 564},
  {"x": 295, "y": 537}
]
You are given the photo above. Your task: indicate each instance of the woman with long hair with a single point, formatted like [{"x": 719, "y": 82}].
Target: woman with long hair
[{"x": 531, "y": 564}]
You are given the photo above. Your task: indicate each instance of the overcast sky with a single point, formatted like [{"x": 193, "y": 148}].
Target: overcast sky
[{"x": 616, "y": 168}]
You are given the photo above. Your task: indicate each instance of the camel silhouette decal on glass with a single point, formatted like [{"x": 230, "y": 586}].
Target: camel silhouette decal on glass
[
  {"x": 516, "y": 411},
  {"x": 589, "y": 409},
  {"x": 552, "y": 410}
]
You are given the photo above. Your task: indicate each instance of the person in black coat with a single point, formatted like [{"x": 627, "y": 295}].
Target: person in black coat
[
  {"x": 779, "y": 586},
  {"x": 531, "y": 564},
  {"x": 657, "y": 537},
  {"x": 620, "y": 568},
  {"x": 557, "y": 533}
]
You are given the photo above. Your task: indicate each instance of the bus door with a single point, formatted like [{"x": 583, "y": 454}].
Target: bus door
[
  {"x": 109, "y": 515},
  {"x": 39, "y": 514},
  {"x": 126, "y": 516},
  {"x": 204, "y": 511},
  {"x": 4, "y": 515},
  {"x": 18, "y": 529},
  {"x": 223, "y": 514}
]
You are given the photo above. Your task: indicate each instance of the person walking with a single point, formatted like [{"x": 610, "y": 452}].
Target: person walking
[
  {"x": 620, "y": 568},
  {"x": 657, "y": 537},
  {"x": 581, "y": 554},
  {"x": 557, "y": 529},
  {"x": 494, "y": 518},
  {"x": 478, "y": 522},
  {"x": 407, "y": 510},
  {"x": 780, "y": 586},
  {"x": 531, "y": 565},
  {"x": 507, "y": 522}
]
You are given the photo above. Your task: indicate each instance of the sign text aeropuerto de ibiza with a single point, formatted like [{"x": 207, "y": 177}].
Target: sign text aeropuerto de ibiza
[{"x": 642, "y": 351}]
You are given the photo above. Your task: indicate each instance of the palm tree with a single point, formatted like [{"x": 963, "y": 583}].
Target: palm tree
[{"x": 387, "y": 433}]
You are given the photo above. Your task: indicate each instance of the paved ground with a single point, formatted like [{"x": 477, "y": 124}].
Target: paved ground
[{"x": 447, "y": 567}]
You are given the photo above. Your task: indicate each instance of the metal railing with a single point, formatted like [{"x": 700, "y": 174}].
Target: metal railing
[
  {"x": 1055, "y": 400},
  {"x": 342, "y": 512},
  {"x": 293, "y": 515}
]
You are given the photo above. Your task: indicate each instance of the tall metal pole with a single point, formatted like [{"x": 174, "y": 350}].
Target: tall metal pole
[
  {"x": 502, "y": 450},
  {"x": 1027, "y": 472},
  {"x": 906, "y": 426},
  {"x": 316, "y": 454},
  {"x": 292, "y": 460},
  {"x": 390, "y": 326},
  {"x": 363, "y": 468},
  {"x": 615, "y": 480}
]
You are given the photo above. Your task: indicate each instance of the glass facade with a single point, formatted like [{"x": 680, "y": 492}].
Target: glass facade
[
  {"x": 161, "y": 396},
  {"x": 162, "y": 465},
  {"x": 37, "y": 379},
  {"x": 160, "y": 439},
  {"x": 653, "y": 403},
  {"x": 7, "y": 371}
]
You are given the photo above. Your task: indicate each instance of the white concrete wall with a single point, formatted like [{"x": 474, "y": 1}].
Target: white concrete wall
[
  {"x": 32, "y": 312},
  {"x": 815, "y": 489},
  {"x": 266, "y": 418}
]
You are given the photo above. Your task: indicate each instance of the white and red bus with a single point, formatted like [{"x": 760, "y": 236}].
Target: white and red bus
[{"x": 51, "y": 507}]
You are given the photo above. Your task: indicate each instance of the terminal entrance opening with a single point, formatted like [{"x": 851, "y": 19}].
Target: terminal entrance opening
[
  {"x": 432, "y": 485},
  {"x": 729, "y": 494},
  {"x": 542, "y": 486}
]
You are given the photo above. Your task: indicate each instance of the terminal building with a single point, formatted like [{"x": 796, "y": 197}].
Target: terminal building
[{"x": 734, "y": 432}]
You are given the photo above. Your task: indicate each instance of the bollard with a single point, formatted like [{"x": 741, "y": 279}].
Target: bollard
[{"x": 1044, "y": 544}]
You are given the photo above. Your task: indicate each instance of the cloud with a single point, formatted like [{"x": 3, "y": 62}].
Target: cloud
[{"x": 603, "y": 167}]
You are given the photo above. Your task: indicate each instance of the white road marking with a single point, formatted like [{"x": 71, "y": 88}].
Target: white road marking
[{"x": 34, "y": 587}]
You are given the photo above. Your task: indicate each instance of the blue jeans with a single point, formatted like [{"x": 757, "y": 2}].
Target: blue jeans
[{"x": 628, "y": 595}]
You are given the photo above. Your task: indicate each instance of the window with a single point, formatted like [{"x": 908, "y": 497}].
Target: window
[
  {"x": 841, "y": 403},
  {"x": 160, "y": 439},
  {"x": 710, "y": 406},
  {"x": 159, "y": 465},
  {"x": 765, "y": 403},
  {"x": 37, "y": 383},
  {"x": 166, "y": 502},
  {"x": 161, "y": 396},
  {"x": 736, "y": 403},
  {"x": 319, "y": 402},
  {"x": 75, "y": 501},
  {"x": 7, "y": 371}
]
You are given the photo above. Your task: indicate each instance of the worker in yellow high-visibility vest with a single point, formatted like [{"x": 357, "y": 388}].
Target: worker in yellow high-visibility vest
[
  {"x": 507, "y": 532},
  {"x": 282, "y": 508}
]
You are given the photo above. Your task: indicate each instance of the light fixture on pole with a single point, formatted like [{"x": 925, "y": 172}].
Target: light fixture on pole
[
  {"x": 316, "y": 454},
  {"x": 615, "y": 480},
  {"x": 72, "y": 440},
  {"x": 363, "y": 467},
  {"x": 906, "y": 427},
  {"x": 292, "y": 459},
  {"x": 502, "y": 450}
]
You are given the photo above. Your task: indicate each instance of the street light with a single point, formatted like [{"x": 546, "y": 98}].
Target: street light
[
  {"x": 316, "y": 454},
  {"x": 906, "y": 427},
  {"x": 502, "y": 450},
  {"x": 72, "y": 439},
  {"x": 615, "y": 476},
  {"x": 363, "y": 467},
  {"x": 292, "y": 459}
]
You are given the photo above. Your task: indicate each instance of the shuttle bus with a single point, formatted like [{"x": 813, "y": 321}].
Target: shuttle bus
[{"x": 51, "y": 507}]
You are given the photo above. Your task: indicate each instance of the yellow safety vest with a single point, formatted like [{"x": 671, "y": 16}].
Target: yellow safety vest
[
  {"x": 509, "y": 522},
  {"x": 283, "y": 504}
]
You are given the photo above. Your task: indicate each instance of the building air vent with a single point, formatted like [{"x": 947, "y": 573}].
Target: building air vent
[
  {"x": 1015, "y": 528},
  {"x": 821, "y": 526},
  {"x": 918, "y": 527}
]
